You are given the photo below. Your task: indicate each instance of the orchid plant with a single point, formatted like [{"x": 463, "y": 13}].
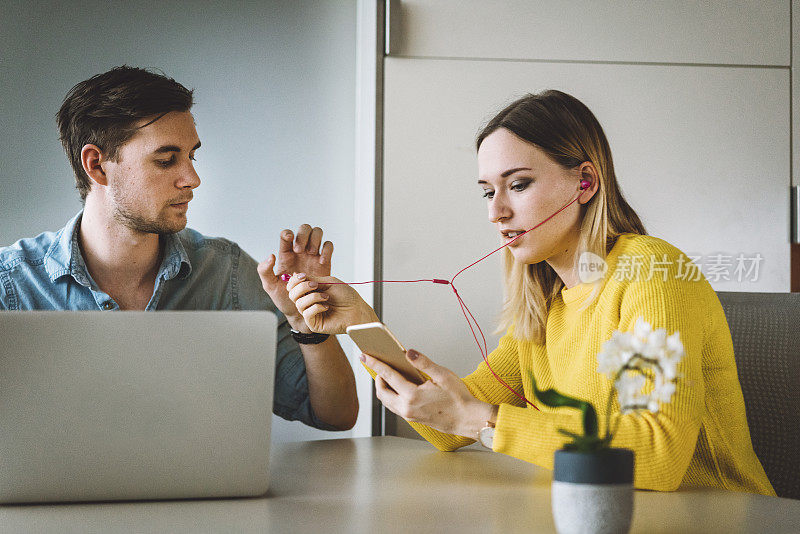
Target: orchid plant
[{"x": 629, "y": 359}]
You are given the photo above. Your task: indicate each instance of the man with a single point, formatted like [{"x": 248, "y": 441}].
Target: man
[{"x": 131, "y": 141}]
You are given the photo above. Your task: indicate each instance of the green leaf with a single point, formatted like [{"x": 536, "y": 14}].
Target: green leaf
[
  {"x": 569, "y": 434},
  {"x": 586, "y": 444},
  {"x": 554, "y": 399}
]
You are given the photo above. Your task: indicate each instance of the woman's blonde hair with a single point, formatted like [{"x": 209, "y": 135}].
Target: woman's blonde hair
[{"x": 567, "y": 131}]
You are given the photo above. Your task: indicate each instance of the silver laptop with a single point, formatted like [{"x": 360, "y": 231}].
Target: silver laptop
[{"x": 135, "y": 405}]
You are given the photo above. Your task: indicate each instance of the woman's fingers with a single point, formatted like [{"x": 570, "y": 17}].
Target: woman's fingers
[
  {"x": 393, "y": 401},
  {"x": 385, "y": 394},
  {"x": 423, "y": 363},
  {"x": 312, "y": 311},
  {"x": 298, "y": 286},
  {"x": 308, "y": 300},
  {"x": 295, "y": 280},
  {"x": 395, "y": 380}
]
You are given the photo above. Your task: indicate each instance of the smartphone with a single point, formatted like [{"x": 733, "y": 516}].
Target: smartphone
[{"x": 376, "y": 340}]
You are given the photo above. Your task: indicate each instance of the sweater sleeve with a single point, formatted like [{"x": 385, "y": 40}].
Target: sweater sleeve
[{"x": 664, "y": 442}]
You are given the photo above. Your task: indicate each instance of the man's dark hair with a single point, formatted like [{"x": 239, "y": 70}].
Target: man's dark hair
[{"x": 104, "y": 109}]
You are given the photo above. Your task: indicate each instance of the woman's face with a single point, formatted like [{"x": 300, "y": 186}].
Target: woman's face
[{"x": 523, "y": 187}]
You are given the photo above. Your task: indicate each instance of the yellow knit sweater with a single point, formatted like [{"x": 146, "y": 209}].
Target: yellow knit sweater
[{"x": 700, "y": 438}]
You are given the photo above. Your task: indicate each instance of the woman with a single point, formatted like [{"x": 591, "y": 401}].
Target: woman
[{"x": 532, "y": 159}]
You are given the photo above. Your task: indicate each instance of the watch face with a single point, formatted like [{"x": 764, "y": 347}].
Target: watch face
[{"x": 486, "y": 437}]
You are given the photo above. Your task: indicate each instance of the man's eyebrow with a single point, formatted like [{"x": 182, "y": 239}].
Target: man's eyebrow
[
  {"x": 507, "y": 173},
  {"x": 172, "y": 148}
]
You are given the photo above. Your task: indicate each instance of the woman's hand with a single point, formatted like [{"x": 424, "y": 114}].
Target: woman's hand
[
  {"x": 328, "y": 308},
  {"x": 443, "y": 402}
]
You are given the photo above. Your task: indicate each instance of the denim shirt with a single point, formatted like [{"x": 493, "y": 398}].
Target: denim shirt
[{"x": 48, "y": 272}]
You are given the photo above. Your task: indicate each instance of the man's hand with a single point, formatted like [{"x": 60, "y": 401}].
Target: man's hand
[{"x": 301, "y": 254}]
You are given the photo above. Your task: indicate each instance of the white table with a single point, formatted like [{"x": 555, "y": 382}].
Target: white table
[{"x": 391, "y": 484}]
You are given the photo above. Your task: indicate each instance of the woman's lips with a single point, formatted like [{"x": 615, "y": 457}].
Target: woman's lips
[{"x": 515, "y": 239}]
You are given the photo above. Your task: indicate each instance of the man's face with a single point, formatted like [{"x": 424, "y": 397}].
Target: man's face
[{"x": 150, "y": 185}]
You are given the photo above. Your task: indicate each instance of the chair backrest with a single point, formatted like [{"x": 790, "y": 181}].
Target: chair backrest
[{"x": 765, "y": 328}]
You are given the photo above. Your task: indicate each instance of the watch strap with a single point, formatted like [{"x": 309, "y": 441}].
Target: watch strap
[{"x": 305, "y": 338}]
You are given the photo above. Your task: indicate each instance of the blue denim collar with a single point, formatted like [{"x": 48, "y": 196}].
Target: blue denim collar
[
  {"x": 176, "y": 260},
  {"x": 64, "y": 256}
]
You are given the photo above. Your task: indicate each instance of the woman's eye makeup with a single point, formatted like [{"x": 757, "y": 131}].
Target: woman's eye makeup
[{"x": 519, "y": 185}]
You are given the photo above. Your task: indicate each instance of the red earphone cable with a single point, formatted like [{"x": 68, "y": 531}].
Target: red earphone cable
[{"x": 484, "y": 350}]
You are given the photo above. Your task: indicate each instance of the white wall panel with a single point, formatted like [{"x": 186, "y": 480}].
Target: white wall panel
[{"x": 716, "y": 31}]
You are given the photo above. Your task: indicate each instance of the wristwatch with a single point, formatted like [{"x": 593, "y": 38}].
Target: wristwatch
[
  {"x": 308, "y": 339},
  {"x": 486, "y": 435}
]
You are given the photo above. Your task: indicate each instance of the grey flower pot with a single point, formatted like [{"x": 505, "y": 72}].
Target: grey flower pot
[{"x": 593, "y": 492}]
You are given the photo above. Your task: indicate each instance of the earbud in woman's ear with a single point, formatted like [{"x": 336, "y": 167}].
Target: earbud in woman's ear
[{"x": 585, "y": 184}]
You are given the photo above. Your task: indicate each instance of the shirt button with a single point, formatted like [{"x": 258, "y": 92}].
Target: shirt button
[{"x": 107, "y": 305}]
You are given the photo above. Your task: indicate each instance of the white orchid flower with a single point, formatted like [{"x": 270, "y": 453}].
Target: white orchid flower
[
  {"x": 629, "y": 359},
  {"x": 629, "y": 387},
  {"x": 664, "y": 388},
  {"x": 628, "y": 355}
]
